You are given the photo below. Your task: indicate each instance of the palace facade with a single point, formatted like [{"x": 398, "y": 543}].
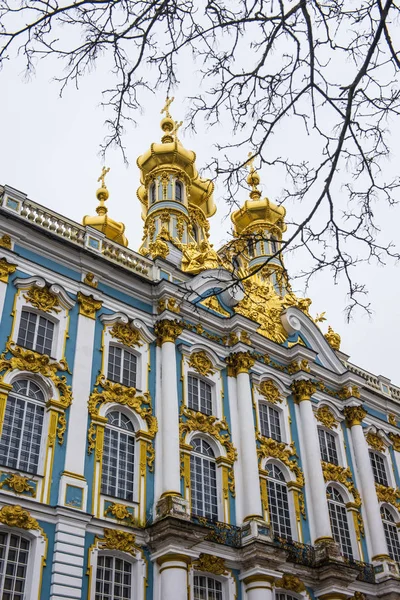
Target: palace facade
[{"x": 174, "y": 423}]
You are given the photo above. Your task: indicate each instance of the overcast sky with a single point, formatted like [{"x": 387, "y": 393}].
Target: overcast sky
[{"x": 50, "y": 150}]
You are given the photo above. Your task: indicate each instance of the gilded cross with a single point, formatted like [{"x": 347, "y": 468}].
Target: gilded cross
[
  {"x": 102, "y": 176},
  {"x": 168, "y": 103},
  {"x": 176, "y": 127},
  {"x": 250, "y": 162}
]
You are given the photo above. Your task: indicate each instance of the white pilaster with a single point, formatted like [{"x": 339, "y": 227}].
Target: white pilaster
[
  {"x": 170, "y": 460},
  {"x": 238, "y": 465}
]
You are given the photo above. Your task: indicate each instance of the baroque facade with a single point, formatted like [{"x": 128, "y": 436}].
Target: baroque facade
[{"x": 169, "y": 431}]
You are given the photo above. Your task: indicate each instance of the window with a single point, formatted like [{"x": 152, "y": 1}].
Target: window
[
  {"x": 391, "y": 534},
  {"x": 274, "y": 246},
  {"x": 378, "y": 468},
  {"x": 122, "y": 366},
  {"x": 283, "y": 596},
  {"x": 203, "y": 480},
  {"x": 327, "y": 444},
  {"x": 113, "y": 578},
  {"x": 153, "y": 193},
  {"x": 35, "y": 332},
  {"x": 278, "y": 502},
  {"x": 22, "y": 428},
  {"x": 199, "y": 395},
  {"x": 14, "y": 552},
  {"x": 206, "y": 588},
  {"x": 178, "y": 191},
  {"x": 250, "y": 248},
  {"x": 339, "y": 522},
  {"x": 269, "y": 422},
  {"x": 118, "y": 457}
]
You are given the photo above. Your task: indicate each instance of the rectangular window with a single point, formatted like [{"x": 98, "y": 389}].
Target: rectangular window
[
  {"x": 206, "y": 588},
  {"x": 270, "y": 422},
  {"x": 378, "y": 468},
  {"x": 199, "y": 395},
  {"x": 122, "y": 366},
  {"x": 14, "y": 552},
  {"x": 113, "y": 578},
  {"x": 35, "y": 333},
  {"x": 327, "y": 444}
]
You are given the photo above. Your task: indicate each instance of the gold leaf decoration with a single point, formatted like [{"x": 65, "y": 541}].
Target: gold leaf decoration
[
  {"x": 16, "y": 516},
  {"x": 270, "y": 391},
  {"x": 388, "y": 494},
  {"x": 341, "y": 475},
  {"x": 290, "y": 582},
  {"x": 303, "y": 389},
  {"x": 349, "y": 392},
  {"x": 167, "y": 330},
  {"x": 158, "y": 248},
  {"x": 126, "y": 334},
  {"x": 239, "y": 362},
  {"x": 326, "y": 417},
  {"x": 61, "y": 427},
  {"x": 333, "y": 338},
  {"x": 121, "y": 512},
  {"x": 296, "y": 366},
  {"x": 5, "y": 242},
  {"x": 18, "y": 484},
  {"x": 151, "y": 455},
  {"x": 210, "y": 564},
  {"x": 168, "y": 304},
  {"x": 354, "y": 415},
  {"x": 375, "y": 441},
  {"x": 201, "y": 363},
  {"x": 43, "y": 299},
  {"x": 269, "y": 448},
  {"x": 115, "y": 539},
  {"x": 88, "y": 305},
  {"x": 90, "y": 280},
  {"x": 6, "y": 269},
  {"x": 196, "y": 421},
  {"x": 395, "y": 439}
]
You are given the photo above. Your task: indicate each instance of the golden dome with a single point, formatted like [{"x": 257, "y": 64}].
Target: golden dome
[{"x": 112, "y": 229}]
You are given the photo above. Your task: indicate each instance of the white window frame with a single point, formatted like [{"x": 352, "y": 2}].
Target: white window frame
[
  {"x": 139, "y": 570},
  {"x": 228, "y": 583},
  {"x": 395, "y": 516},
  {"x": 288, "y": 478},
  {"x": 337, "y": 443},
  {"x": 199, "y": 378},
  {"x": 214, "y": 379},
  {"x": 350, "y": 522},
  {"x": 384, "y": 458},
  {"x": 280, "y": 415},
  {"x": 282, "y": 407},
  {"x": 130, "y": 351}
]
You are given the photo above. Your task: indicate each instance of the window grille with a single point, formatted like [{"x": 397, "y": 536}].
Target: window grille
[
  {"x": 14, "y": 554},
  {"x": 178, "y": 191},
  {"x": 339, "y": 521},
  {"x": 379, "y": 468},
  {"x": 270, "y": 422},
  {"x": 391, "y": 534},
  {"x": 113, "y": 578},
  {"x": 118, "y": 457},
  {"x": 278, "y": 502},
  {"x": 283, "y": 596},
  {"x": 203, "y": 480},
  {"x": 22, "y": 428},
  {"x": 199, "y": 395},
  {"x": 327, "y": 444},
  {"x": 206, "y": 588},
  {"x": 122, "y": 366},
  {"x": 35, "y": 332}
]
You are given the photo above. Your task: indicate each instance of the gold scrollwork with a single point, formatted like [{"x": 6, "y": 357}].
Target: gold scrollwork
[
  {"x": 158, "y": 248},
  {"x": 196, "y": 421},
  {"x": 168, "y": 304},
  {"x": 121, "y": 513},
  {"x": 326, "y": 417},
  {"x": 270, "y": 391},
  {"x": 297, "y": 366},
  {"x": 343, "y": 475},
  {"x": 231, "y": 482},
  {"x": 375, "y": 441},
  {"x": 388, "y": 494},
  {"x": 349, "y": 392},
  {"x": 88, "y": 305},
  {"x": 354, "y": 415},
  {"x": 5, "y": 242},
  {"x": 16, "y": 516},
  {"x": 43, "y": 299},
  {"x": 126, "y": 334},
  {"x": 210, "y": 564},
  {"x": 201, "y": 363},
  {"x": 290, "y": 582},
  {"x": 269, "y": 448},
  {"x": 151, "y": 455},
  {"x": 239, "y": 362},
  {"x": 91, "y": 437},
  {"x": 303, "y": 389},
  {"x": 167, "y": 330},
  {"x": 115, "y": 539},
  {"x": 28, "y": 360},
  {"x": 61, "y": 427},
  {"x": 6, "y": 269},
  {"x": 18, "y": 484}
]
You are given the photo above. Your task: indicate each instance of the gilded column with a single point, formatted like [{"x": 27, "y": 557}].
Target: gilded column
[
  {"x": 239, "y": 365},
  {"x": 315, "y": 484},
  {"x": 169, "y": 464},
  {"x": 174, "y": 576},
  {"x": 379, "y": 551}
]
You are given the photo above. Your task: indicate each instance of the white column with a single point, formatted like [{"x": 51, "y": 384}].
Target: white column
[
  {"x": 315, "y": 485},
  {"x": 169, "y": 462},
  {"x": 251, "y": 499},
  {"x": 238, "y": 464},
  {"x": 173, "y": 576},
  {"x": 258, "y": 587},
  {"x": 355, "y": 415}
]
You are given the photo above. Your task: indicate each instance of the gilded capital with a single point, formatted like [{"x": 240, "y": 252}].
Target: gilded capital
[
  {"x": 395, "y": 439},
  {"x": 354, "y": 415},
  {"x": 88, "y": 305},
  {"x": 239, "y": 362},
  {"x": 167, "y": 330},
  {"x": 6, "y": 269},
  {"x": 303, "y": 389}
]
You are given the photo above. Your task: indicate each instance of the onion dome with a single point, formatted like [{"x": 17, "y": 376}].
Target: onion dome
[{"x": 112, "y": 229}]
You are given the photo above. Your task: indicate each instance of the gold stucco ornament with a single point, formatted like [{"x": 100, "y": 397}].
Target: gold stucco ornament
[
  {"x": 168, "y": 330},
  {"x": 18, "y": 484},
  {"x": 269, "y": 448},
  {"x": 5, "y": 241},
  {"x": 270, "y": 391},
  {"x": 290, "y": 582},
  {"x": 158, "y": 248},
  {"x": 326, "y": 417},
  {"x": 115, "y": 539},
  {"x": 201, "y": 363},
  {"x": 303, "y": 389},
  {"x": 375, "y": 441},
  {"x": 210, "y": 564},
  {"x": 388, "y": 494},
  {"x": 239, "y": 362},
  {"x": 121, "y": 512},
  {"x": 6, "y": 269},
  {"x": 354, "y": 415},
  {"x": 333, "y": 338},
  {"x": 43, "y": 299},
  {"x": 199, "y": 257},
  {"x": 395, "y": 439},
  {"x": 16, "y": 516},
  {"x": 88, "y": 306},
  {"x": 127, "y": 335}
]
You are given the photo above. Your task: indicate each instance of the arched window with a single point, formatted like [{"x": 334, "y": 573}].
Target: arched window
[
  {"x": 178, "y": 191},
  {"x": 118, "y": 457},
  {"x": 35, "y": 332},
  {"x": 327, "y": 444},
  {"x": 206, "y": 588},
  {"x": 199, "y": 395},
  {"x": 339, "y": 521},
  {"x": 22, "y": 428},
  {"x": 250, "y": 248},
  {"x": 274, "y": 246},
  {"x": 203, "y": 480},
  {"x": 270, "y": 422},
  {"x": 378, "y": 468},
  {"x": 153, "y": 193},
  {"x": 391, "y": 534},
  {"x": 122, "y": 366},
  {"x": 14, "y": 553},
  {"x": 113, "y": 578},
  {"x": 278, "y": 502}
]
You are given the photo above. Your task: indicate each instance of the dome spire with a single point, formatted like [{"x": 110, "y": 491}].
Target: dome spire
[{"x": 253, "y": 178}]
